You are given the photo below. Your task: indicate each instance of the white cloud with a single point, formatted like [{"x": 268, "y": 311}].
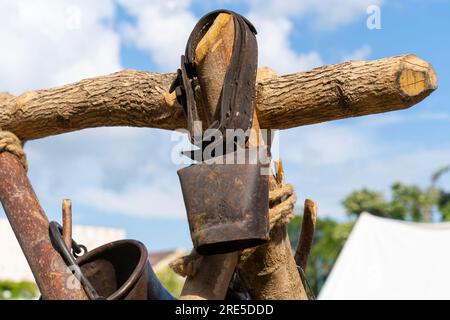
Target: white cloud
[
  {"x": 56, "y": 42},
  {"x": 324, "y": 14},
  {"x": 141, "y": 201},
  {"x": 434, "y": 116},
  {"x": 274, "y": 22},
  {"x": 329, "y": 184},
  {"x": 328, "y": 161},
  {"x": 162, "y": 28},
  {"x": 379, "y": 120},
  {"x": 327, "y": 144},
  {"x": 415, "y": 166},
  {"x": 53, "y": 42},
  {"x": 124, "y": 171},
  {"x": 275, "y": 49},
  {"x": 384, "y": 119},
  {"x": 361, "y": 53}
]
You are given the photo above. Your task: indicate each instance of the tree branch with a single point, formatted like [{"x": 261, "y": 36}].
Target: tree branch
[{"x": 140, "y": 99}]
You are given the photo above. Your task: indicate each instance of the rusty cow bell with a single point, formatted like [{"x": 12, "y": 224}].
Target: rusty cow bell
[{"x": 227, "y": 204}]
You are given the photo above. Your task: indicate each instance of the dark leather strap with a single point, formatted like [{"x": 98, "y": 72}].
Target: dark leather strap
[{"x": 238, "y": 91}]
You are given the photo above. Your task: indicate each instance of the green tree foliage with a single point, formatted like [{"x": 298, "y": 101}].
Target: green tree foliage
[
  {"x": 444, "y": 196},
  {"x": 406, "y": 202},
  {"x": 366, "y": 200},
  {"x": 171, "y": 281},
  {"x": 444, "y": 205},
  {"x": 18, "y": 290},
  {"x": 410, "y": 202},
  {"x": 329, "y": 238}
]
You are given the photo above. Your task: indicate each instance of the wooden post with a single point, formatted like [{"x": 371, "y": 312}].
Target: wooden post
[
  {"x": 31, "y": 227},
  {"x": 67, "y": 223},
  {"x": 212, "y": 57},
  {"x": 270, "y": 271},
  {"x": 306, "y": 237}
]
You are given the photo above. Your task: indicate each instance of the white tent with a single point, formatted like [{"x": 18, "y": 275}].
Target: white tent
[{"x": 391, "y": 259}]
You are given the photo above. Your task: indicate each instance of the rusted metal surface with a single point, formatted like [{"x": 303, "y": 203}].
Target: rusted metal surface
[
  {"x": 69, "y": 259},
  {"x": 31, "y": 227},
  {"x": 121, "y": 270},
  {"x": 227, "y": 205},
  {"x": 67, "y": 223}
]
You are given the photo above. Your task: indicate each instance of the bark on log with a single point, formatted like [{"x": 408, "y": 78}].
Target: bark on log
[
  {"x": 345, "y": 90},
  {"x": 140, "y": 99},
  {"x": 306, "y": 237},
  {"x": 269, "y": 271}
]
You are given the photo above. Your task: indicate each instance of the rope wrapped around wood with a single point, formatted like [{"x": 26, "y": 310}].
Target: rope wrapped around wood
[{"x": 10, "y": 143}]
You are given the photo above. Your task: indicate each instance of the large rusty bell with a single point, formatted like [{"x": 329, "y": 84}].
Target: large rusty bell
[{"x": 227, "y": 205}]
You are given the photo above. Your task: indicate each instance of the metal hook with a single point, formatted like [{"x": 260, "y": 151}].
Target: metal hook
[
  {"x": 306, "y": 285},
  {"x": 60, "y": 246}
]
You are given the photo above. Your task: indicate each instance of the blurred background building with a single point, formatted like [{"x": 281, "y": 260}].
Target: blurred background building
[
  {"x": 16, "y": 278},
  {"x": 14, "y": 266}
]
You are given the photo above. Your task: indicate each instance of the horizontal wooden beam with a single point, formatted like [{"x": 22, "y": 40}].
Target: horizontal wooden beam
[
  {"x": 140, "y": 99},
  {"x": 345, "y": 90}
]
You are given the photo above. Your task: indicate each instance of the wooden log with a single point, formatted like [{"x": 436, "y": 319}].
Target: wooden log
[
  {"x": 269, "y": 271},
  {"x": 140, "y": 99},
  {"x": 306, "y": 237},
  {"x": 212, "y": 57},
  {"x": 67, "y": 223},
  {"x": 212, "y": 278},
  {"x": 345, "y": 90}
]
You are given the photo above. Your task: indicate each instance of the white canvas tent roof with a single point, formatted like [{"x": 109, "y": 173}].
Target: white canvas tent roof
[{"x": 391, "y": 259}]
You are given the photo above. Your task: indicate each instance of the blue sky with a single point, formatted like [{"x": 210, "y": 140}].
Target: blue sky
[{"x": 123, "y": 177}]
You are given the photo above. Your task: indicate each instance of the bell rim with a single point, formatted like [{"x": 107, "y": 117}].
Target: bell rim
[{"x": 134, "y": 277}]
